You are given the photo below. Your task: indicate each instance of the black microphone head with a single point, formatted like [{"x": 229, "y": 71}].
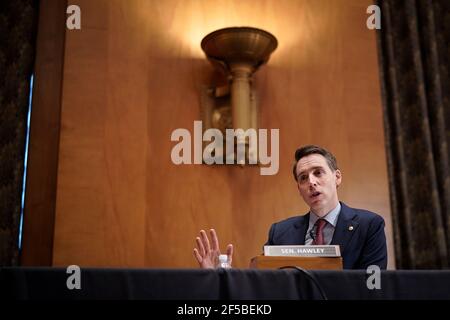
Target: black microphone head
[{"x": 312, "y": 232}]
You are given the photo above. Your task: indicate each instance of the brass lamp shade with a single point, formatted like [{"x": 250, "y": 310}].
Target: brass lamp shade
[{"x": 239, "y": 44}]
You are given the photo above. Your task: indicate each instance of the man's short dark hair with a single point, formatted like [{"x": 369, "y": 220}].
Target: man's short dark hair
[{"x": 312, "y": 149}]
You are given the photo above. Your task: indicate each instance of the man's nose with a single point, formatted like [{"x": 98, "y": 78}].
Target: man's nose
[{"x": 312, "y": 180}]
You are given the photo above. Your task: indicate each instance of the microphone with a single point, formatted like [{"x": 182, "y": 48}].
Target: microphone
[{"x": 312, "y": 232}]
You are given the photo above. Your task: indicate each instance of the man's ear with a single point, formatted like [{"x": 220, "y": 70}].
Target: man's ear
[{"x": 338, "y": 176}]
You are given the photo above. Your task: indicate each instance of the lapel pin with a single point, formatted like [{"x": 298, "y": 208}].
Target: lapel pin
[{"x": 350, "y": 228}]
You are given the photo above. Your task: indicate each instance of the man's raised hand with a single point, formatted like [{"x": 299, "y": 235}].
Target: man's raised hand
[{"x": 206, "y": 253}]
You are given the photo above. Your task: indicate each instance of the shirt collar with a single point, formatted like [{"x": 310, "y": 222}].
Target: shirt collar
[{"x": 331, "y": 216}]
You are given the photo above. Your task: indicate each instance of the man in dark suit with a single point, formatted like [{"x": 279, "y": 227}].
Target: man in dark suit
[{"x": 359, "y": 233}]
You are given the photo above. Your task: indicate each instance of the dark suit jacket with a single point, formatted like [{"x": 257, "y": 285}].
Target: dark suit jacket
[{"x": 361, "y": 247}]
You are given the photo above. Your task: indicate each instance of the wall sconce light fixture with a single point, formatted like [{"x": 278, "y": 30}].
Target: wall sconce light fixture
[{"x": 238, "y": 52}]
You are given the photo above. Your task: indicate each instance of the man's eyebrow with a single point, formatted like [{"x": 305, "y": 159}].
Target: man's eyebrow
[{"x": 310, "y": 169}]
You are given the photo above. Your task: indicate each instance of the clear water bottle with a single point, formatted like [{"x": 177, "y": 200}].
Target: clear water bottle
[{"x": 223, "y": 262}]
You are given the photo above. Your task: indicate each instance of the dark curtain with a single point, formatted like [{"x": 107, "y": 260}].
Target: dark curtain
[
  {"x": 18, "y": 23},
  {"x": 414, "y": 51}
]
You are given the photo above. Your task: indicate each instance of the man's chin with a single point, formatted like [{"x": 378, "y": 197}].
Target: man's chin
[{"x": 316, "y": 205}]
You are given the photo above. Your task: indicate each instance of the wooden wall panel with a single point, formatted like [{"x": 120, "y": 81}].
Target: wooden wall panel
[{"x": 132, "y": 76}]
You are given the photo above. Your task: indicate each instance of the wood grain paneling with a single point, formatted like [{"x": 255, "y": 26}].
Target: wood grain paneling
[{"x": 133, "y": 75}]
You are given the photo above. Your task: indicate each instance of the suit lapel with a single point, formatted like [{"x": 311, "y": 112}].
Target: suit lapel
[
  {"x": 301, "y": 226},
  {"x": 345, "y": 227}
]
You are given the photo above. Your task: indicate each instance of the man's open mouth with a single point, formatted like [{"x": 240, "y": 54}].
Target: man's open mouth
[{"x": 315, "y": 194}]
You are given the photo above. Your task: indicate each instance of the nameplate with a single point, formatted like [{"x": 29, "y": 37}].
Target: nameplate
[{"x": 302, "y": 251}]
